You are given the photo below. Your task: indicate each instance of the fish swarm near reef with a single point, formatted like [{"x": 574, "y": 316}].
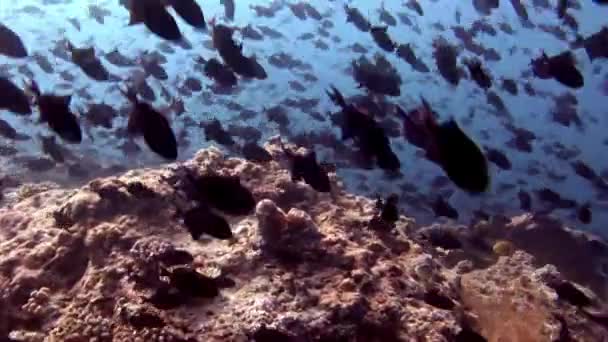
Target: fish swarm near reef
[{"x": 304, "y": 265}]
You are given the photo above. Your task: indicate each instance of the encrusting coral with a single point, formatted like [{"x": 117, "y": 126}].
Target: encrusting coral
[{"x": 112, "y": 261}]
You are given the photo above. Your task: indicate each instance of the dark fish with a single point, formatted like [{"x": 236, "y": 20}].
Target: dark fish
[
  {"x": 98, "y": 13},
  {"x": 441, "y": 208},
  {"x": 520, "y": 9},
  {"x": 11, "y": 44},
  {"x": 154, "y": 127},
  {"x": 228, "y": 9},
  {"x": 596, "y": 45},
  {"x": 220, "y": 73},
  {"x": 448, "y": 146},
  {"x": 298, "y": 10},
  {"x": 358, "y": 48},
  {"x": 378, "y": 76},
  {"x": 305, "y": 167},
  {"x": 353, "y": 15},
  {"x": 405, "y": 52},
  {"x": 251, "y": 33},
  {"x": 43, "y": 63},
  {"x": 193, "y": 84},
  {"x": 560, "y": 67},
  {"x": 101, "y": 114},
  {"x": 562, "y": 7},
  {"x": 74, "y": 23},
  {"x": 370, "y": 137},
  {"x": 483, "y": 26},
  {"x": 231, "y": 53},
  {"x": 118, "y": 59},
  {"x": 214, "y": 131},
  {"x": 7, "y": 131},
  {"x": 89, "y": 63},
  {"x": 190, "y": 11},
  {"x": 311, "y": 11},
  {"x": 479, "y": 74},
  {"x": 584, "y": 213},
  {"x": 381, "y": 37},
  {"x": 192, "y": 284},
  {"x": 498, "y": 158},
  {"x": 415, "y": 6},
  {"x": 36, "y": 164},
  {"x": 55, "y": 111},
  {"x": 270, "y": 32},
  {"x": 201, "y": 220},
  {"x": 485, "y": 7},
  {"x": 255, "y": 153},
  {"x": 12, "y": 98},
  {"x": 152, "y": 67},
  {"x": 386, "y": 17},
  {"x": 156, "y": 18},
  {"x": 52, "y": 149},
  {"x": 584, "y": 170},
  {"x": 525, "y": 200},
  {"x": 510, "y": 86},
  {"x": 445, "y": 58},
  {"x": 389, "y": 212},
  {"x": 173, "y": 257},
  {"x": 297, "y": 86},
  {"x": 553, "y": 198},
  {"x": 224, "y": 193}
]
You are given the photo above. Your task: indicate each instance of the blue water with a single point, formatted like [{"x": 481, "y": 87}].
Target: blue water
[{"x": 40, "y": 32}]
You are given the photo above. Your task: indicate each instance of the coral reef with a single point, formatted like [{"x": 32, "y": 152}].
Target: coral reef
[{"x": 112, "y": 261}]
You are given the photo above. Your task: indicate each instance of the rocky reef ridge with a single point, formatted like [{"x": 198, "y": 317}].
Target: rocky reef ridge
[{"x": 112, "y": 261}]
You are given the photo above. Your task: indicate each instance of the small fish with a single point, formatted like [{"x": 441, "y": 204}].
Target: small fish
[
  {"x": 584, "y": 170},
  {"x": 120, "y": 60},
  {"x": 298, "y": 10},
  {"x": 216, "y": 132},
  {"x": 479, "y": 74},
  {"x": 98, "y": 13},
  {"x": 498, "y": 158},
  {"x": 305, "y": 167},
  {"x": 154, "y": 127},
  {"x": 445, "y": 57},
  {"x": 228, "y": 9},
  {"x": 250, "y": 32},
  {"x": 311, "y": 11},
  {"x": 12, "y": 98},
  {"x": 191, "y": 283},
  {"x": 389, "y": 212},
  {"x": 44, "y": 63},
  {"x": 89, "y": 63},
  {"x": 201, "y": 220},
  {"x": 353, "y": 15},
  {"x": 415, "y": 6},
  {"x": 255, "y": 153},
  {"x": 190, "y": 11},
  {"x": 7, "y": 131},
  {"x": 584, "y": 213},
  {"x": 55, "y": 111},
  {"x": 11, "y": 44},
  {"x": 381, "y": 37},
  {"x": 101, "y": 114},
  {"x": 74, "y": 23},
  {"x": 510, "y": 86},
  {"x": 386, "y": 17},
  {"x": 224, "y": 193},
  {"x": 525, "y": 200},
  {"x": 52, "y": 149},
  {"x": 560, "y": 67},
  {"x": 441, "y": 208},
  {"x": 220, "y": 73}
]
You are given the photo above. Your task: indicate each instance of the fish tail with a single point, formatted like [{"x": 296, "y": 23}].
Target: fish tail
[
  {"x": 33, "y": 87},
  {"x": 336, "y": 96},
  {"x": 69, "y": 46},
  {"x": 130, "y": 94}
]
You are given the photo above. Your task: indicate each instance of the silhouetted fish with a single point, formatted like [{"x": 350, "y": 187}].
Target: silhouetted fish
[
  {"x": 306, "y": 167},
  {"x": 13, "y": 98},
  {"x": 441, "y": 208},
  {"x": 225, "y": 193},
  {"x": 153, "y": 126},
  {"x": 228, "y": 9},
  {"x": 10, "y": 43},
  {"x": 156, "y": 18},
  {"x": 190, "y": 11},
  {"x": 55, "y": 111},
  {"x": 201, "y": 220},
  {"x": 89, "y": 63}
]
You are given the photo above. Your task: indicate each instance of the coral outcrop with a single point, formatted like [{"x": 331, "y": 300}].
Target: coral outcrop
[{"x": 112, "y": 261}]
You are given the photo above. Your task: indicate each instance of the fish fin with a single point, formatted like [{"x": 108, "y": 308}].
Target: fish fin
[{"x": 32, "y": 86}]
